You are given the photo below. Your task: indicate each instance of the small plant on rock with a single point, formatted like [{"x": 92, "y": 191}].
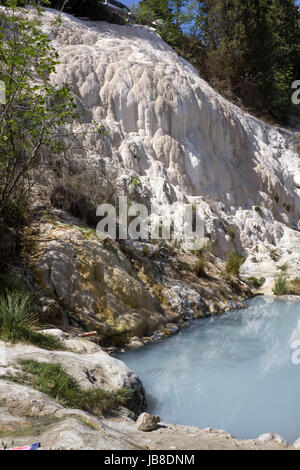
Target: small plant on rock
[
  {"x": 135, "y": 181},
  {"x": 146, "y": 251},
  {"x": 257, "y": 282},
  {"x": 18, "y": 322},
  {"x": 280, "y": 287},
  {"x": 230, "y": 230},
  {"x": 284, "y": 267},
  {"x": 51, "y": 379},
  {"x": 234, "y": 263}
]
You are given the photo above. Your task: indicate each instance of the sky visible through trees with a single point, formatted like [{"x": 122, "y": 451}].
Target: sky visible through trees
[{"x": 135, "y": 2}]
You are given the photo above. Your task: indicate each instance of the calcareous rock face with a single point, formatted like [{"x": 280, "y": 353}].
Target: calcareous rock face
[
  {"x": 169, "y": 139},
  {"x": 96, "y": 283},
  {"x": 183, "y": 143},
  {"x": 183, "y": 140}
]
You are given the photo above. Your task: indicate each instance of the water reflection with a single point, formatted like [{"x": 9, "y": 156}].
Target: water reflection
[{"x": 232, "y": 372}]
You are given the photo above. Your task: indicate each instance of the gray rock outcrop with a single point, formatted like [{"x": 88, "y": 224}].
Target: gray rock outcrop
[
  {"x": 108, "y": 372},
  {"x": 147, "y": 422}
]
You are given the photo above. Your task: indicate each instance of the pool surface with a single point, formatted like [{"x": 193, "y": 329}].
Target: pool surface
[{"x": 237, "y": 371}]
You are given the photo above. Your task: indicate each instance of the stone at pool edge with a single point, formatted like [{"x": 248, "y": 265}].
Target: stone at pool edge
[
  {"x": 296, "y": 444},
  {"x": 147, "y": 422},
  {"x": 173, "y": 328},
  {"x": 271, "y": 436}
]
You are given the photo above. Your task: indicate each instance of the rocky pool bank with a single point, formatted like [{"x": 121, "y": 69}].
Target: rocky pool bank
[{"x": 28, "y": 415}]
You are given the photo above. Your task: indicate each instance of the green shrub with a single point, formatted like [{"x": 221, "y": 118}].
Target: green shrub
[
  {"x": 15, "y": 313},
  {"x": 52, "y": 380},
  {"x": 135, "y": 181},
  {"x": 284, "y": 267},
  {"x": 276, "y": 198},
  {"x": 36, "y": 110},
  {"x": 257, "y": 282},
  {"x": 280, "y": 287},
  {"x": 233, "y": 263},
  {"x": 146, "y": 251},
  {"x": 18, "y": 322}
]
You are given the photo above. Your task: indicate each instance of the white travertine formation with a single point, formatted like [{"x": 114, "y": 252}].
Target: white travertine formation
[{"x": 183, "y": 140}]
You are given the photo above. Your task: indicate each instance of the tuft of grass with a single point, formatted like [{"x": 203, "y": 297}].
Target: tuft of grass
[
  {"x": 257, "y": 282},
  {"x": 15, "y": 312},
  {"x": 51, "y": 379},
  {"x": 276, "y": 198},
  {"x": 18, "y": 322},
  {"x": 203, "y": 257},
  {"x": 284, "y": 267},
  {"x": 230, "y": 230},
  {"x": 135, "y": 181},
  {"x": 280, "y": 287},
  {"x": 234, "y": 263},
  {"x": 146, "y": 251}
]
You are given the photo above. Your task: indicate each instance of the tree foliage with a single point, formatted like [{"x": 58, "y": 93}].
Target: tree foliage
[
  {"x": 253, "y": 47},
  {"x": 248, "y": 50},
  {"x": 35, "y": 109}
]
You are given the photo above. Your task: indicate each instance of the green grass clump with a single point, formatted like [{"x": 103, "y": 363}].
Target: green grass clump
[
  {"x": 257, "y": 282},
  {"x": 230, "y": 230},
  {"x": 234, "y": 263},
  {"x": 146, "y": 251},
  {"x": 52, "y": 380},
  {"x": 284, "y": 267},
  {"x": 280, "y": 287},
  {"x": 18, "y": 322}
]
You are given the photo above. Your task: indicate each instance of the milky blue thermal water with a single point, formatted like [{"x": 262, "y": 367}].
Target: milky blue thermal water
[{"x": 236, "y": 371}]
